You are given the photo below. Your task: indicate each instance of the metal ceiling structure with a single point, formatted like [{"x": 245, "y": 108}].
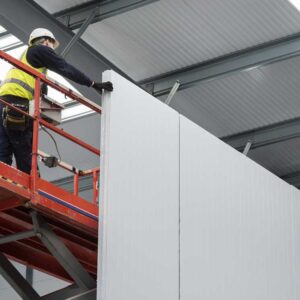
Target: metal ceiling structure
[
  {"x": 204, "y": 45},
  {"x": 82, "y": 55},
  {"x": 265, "y": 136},
  {"x": 237, "y": 63},
  {"x": 253, "y": 57},
  {"x": 75, "y": 17},
  {"x": 175, "y": 35}
]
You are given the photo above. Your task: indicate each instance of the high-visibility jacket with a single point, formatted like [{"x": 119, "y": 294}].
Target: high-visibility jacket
[{"x": 19, "y": 83}]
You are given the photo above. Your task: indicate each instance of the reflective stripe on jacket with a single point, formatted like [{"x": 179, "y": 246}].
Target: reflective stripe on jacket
[{"x": 19, "y": 83}]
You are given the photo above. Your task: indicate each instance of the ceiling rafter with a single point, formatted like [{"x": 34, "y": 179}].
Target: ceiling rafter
[
  {"x": 75, "y": 16},
  {"x": 250, "y": 58},
  {"x": 265, "y": 136}
]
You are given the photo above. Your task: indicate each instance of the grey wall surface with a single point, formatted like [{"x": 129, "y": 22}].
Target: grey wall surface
[
  {"x": 185, "y": 216},
  {"x": 139, "y": 186},
  {"x": 88, "y": 130}
]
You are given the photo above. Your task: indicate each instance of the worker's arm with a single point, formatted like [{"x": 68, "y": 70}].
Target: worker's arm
[{"x": 42, "y": 56}]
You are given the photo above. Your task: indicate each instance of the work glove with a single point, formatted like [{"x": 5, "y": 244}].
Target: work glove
[{"x": 99, "y": 86}]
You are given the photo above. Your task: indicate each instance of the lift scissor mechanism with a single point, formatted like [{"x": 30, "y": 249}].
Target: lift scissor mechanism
[{"x": 42, "y": 225}]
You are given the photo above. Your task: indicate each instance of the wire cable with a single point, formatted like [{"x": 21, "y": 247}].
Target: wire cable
[{"x": 43, "y": 128}]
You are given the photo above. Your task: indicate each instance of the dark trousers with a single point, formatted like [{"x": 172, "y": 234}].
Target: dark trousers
[{"x": 17, "y": 143}]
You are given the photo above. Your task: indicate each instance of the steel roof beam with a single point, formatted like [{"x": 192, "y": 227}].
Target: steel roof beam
[
  {"x": 75, "y": 16},
  {"x": 293, "y": 179},
  {"x": 78, "y": 34},
  {"x": 4, "y": 34},
  {"x": 265, "y": 136},
  {"x": 83, "y": 56},
  {"x": 242, "y": 60}
]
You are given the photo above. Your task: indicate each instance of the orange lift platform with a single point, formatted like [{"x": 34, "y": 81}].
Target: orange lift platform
[{"x": 42, "y": 225}]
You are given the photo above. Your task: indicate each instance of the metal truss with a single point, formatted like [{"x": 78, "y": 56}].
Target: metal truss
[{"x": 84, "y": 286}]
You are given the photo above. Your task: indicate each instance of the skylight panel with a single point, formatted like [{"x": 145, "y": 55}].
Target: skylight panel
[
  {"x": 296, "y": 3},
  {"x": 7, "y": 41},
  {"x": 17, "y": 52},
  {"x": 76, "y": 112},
  {"x": 5, "y": 66},
  {"x": 56, "y": 95},
  {"x": 2, "y": 29}
]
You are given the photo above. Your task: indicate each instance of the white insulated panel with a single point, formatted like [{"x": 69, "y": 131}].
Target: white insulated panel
[
  {"x": 139, "y": 203},
  {"x": 239, "y": 227}
]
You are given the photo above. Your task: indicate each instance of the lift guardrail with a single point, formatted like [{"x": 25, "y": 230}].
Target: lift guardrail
[{"x": 37, "y": 121}]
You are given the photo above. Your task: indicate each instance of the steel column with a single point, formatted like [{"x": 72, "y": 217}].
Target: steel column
[
  {"x": 247, "y": 147},
  {"x": 16, "y": 280},
  {"x": 172, "y": 92}
]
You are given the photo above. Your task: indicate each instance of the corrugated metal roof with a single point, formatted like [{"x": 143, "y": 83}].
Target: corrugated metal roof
[
  {"x": 280, "y": 158},
  {"x": 244, "y": 100},
  {"x": 172, "y": 34},
  {"x": 54, "y": 6}
]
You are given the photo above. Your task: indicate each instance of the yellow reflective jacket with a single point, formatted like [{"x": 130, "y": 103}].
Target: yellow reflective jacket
[{"x": 19, "y": 83}]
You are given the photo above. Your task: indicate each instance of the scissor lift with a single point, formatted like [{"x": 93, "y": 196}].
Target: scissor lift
[{"x": 42, "y": 225}]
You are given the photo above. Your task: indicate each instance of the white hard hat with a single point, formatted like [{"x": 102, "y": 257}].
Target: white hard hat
[{"x": 42, "y": 32}]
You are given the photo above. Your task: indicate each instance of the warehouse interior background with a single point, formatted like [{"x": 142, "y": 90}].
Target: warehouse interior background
[{"x": 237, "y": 63}]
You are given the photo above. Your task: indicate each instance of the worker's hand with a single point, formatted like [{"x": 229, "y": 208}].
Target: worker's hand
[{"x": 99, "y": 86}]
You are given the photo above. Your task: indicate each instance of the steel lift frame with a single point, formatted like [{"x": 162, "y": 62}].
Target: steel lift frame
[{"x": 43, "y": 226}]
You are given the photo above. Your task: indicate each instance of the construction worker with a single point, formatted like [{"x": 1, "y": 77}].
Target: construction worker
[{"x": 18, "y": 89}]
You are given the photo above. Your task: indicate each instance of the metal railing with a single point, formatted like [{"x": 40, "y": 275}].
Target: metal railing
[{"x": 37, "y": 121}]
